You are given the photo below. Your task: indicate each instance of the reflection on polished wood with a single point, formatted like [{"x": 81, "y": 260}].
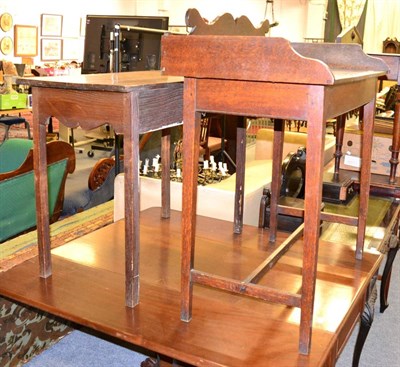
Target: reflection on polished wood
[{"x": 87, "y": 286}]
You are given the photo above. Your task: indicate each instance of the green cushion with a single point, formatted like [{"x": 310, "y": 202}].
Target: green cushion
[
  {"x": 17, "y": 197},
  {"x": 13, "y": 153}
]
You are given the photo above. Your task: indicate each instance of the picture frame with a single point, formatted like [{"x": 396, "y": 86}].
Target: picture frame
[
  {"x": 51, "y": 25},
  {"x": 71, "y": 26},
  {"x": 72, "y": 48},
  {"x": 51, "y": 49},
  {"x": 6, "y": 22},
  {"x": 6, "y": 45},
  {"x": 25, "y": 40}
]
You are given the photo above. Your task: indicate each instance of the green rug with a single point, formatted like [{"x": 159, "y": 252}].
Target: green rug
[
  {"x": 342, "y": 233},
  {"x": 23, "y": 247}
]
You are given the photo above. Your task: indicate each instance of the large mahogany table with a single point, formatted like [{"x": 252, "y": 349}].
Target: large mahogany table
[
  {"x": 133, "y": 103},
  {"x": 270, "y": 77},
  {"x": 87, "y": 287}
]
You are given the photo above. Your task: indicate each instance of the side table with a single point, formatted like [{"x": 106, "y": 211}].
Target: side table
[
  {"x": 270, "y": 77},
  {"x": 133, "y": 103}
]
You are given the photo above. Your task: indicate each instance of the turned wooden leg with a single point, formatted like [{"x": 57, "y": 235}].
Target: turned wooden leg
[{"x": 340, "y": 126}]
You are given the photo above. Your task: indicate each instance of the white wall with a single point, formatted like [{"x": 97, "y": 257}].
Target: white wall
[
  {"x": 291, "y": 15},
  {"x": 297, "y": 18},
  {"x": 382, "y": 21},
  {"x": 29, "y": 13}
]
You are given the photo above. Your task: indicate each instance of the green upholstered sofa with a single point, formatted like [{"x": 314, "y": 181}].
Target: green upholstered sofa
[{"x": 17, "y": 191}]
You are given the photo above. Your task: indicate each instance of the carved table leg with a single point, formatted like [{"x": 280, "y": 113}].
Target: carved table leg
[
  {"x": 367, "y": 317},
  {"x": 387, "y": 271}
]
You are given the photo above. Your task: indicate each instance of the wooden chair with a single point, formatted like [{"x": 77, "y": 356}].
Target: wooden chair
[
  {"x": 17, "y": 191},
  {"x": 210, "y": 144},
  {"x": 9, "y": 121}
]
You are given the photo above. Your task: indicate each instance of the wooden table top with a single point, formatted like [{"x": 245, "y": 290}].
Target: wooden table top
[
  {"x": 393, "y": 61},
  {"x": 267, "y": 59},
  {"x": 88, "y": 287},
  {"x": 113, "y": 82}
]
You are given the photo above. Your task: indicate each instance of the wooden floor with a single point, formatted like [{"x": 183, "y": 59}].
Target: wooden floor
[{"x": 87, "y": 287}]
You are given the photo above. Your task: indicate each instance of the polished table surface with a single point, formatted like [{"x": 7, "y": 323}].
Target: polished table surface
[
  {"x": 87, "y": 287},
  {"x": 133, "y": 103}
]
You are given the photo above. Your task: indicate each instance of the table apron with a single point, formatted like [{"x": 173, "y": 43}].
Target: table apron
[
  {"x": 280, "y": 100},
  {"x": 157, "y": 107}
]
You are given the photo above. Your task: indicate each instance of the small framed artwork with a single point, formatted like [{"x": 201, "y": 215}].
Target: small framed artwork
[
  {"x": 51, "y": 49},
  {"x": 6, "y": 45},
  {"x": 6, "y": 22},
  {"x": 25, "y": 40},
  {"x": 51, "y": 25},
  {"x": 72, "y": 48}
]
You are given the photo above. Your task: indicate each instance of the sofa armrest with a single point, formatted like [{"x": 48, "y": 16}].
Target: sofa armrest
[{"x": 17, "y": 189}]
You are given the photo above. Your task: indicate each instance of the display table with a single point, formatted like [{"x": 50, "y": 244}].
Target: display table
[
  {"x": 270, "y": 77},
  {"x": 87, "y": 287},
  {"x": 133, "y": 103}
]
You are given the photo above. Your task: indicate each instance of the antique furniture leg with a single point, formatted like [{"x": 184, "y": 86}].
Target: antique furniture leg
[
  {"x": 340, "y": 127},
  {"x": 316, "y": 128},
  {"x": 279, "y": 131},
  {"x": 131, "y": 167},
  {"x": 367, "y": 317},
  {"x": 41, "y": 186},
  {"x": 365, "y": 174},
  {"x": 240, "y": 177},
  {"x": 117, "y": 146},
  {"x": 165, "y": 179},
  {"x": 395, "y": 148},
  {"x": 387, "y": 272},
  {"x": 191, "y": 133}
]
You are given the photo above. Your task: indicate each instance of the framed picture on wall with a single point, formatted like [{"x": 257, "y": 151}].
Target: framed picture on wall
[
  {"x": 6, "y": 45},
  {"x": 6, "y": 22},
  {"x": 51, "y": 25},
  {"x": 51, "y": 49},
  {"x": 25, "y": 40}
]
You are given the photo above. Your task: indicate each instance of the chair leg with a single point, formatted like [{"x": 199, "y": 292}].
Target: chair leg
[
  {"x": 28, "y": 128},
  {"x": 6, "y": 132}
]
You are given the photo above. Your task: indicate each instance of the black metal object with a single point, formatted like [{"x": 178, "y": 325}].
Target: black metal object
[
  {"x": 292, "y": 192},
  {"x": 294, "y": 174}
]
